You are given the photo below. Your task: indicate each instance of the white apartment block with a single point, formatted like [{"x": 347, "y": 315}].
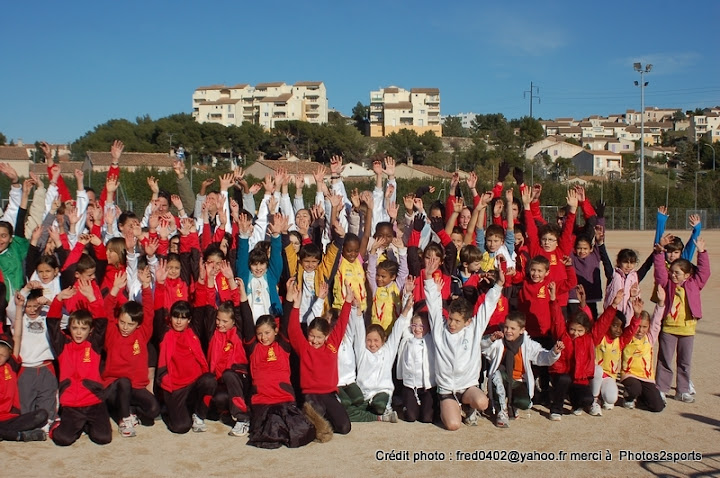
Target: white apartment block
[
  {"x": 465, "y": 119},
  {"x": 263, "y": 104},
  {"x": 706, "y": 125},
  {"x": 393, "y": 109}
]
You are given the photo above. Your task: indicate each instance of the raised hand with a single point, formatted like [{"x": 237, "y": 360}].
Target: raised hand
[
  {"x": 458, "y": 205},
  {"x": 600, "y": 208},
  {"x": 116, "y": 150},
  {"x": 255, "y": 188},
  {"x": 419, "y": 222},
  {"x": 153, "y": 183},
  {"x": 392, "y": 210},
  {"x": 518, "y": 175},
  {"x": 377, "y": 167},
  {"x": 509, "y": 196},
  {"x": 177, "y": 202},
  {"x": 336, "y": 165},
  {"x": 111, "y": 184},
  {"x": 536, "y": 191},
  {"x": 226, "y": 270},
  {"x": 572, "y": 199},
  {"x": 472, "y": 180},
  {"x": 694, "y": 220},
  {"x": 226, "y": 180},
  {"x": 85, "y": 287},
  {"x": 700, "y": 244},
  {"x": 408, "y": 202},
  {"x": 389, "y": 167},
  {"x": 355, "y": 198},
  {"x": 618, "y": 298},
  {"x": 349, "y": 293},
  {"x": 120, "y": 282},
  {"x": 45, "y": 148},
  {"x": 552, "y": 290},
  {"x": 320, "y": 174},
  {"x": 161, "y": 271}
]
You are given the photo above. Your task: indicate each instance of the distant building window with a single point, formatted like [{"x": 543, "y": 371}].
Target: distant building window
[
  {"x": 626, "y": 146},
  {"x": 555, "y": 152},
  {"x": 422, "y": 112},
  {"x": 267, "y": 114}
]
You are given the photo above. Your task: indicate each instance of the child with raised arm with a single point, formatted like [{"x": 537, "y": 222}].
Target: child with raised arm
[
  {"x": 638, "y": 370},
  {"x": 318, "y": 354},
  {"x": 37, "y": 382},
  {"x": 227, "y": 359},
  {"x": 683, "y": 284},
  {"x": 78, "y": 354},
  {"x": 608, "y": 356},
  {"x": 416, "y": 369},
  {"x": 457, "y": 347},
  {"x": 386, "y": 280},
  {"x": 374, "y": 354},
  {"x": 572, "y": 373},
  {"x": 511, "y": 353},
  {"x": 550, "y": 241},
  {"x": 14, "y": 424},
  {"x": 275, "y": 419},
  {"x": 125, "y": 376}
]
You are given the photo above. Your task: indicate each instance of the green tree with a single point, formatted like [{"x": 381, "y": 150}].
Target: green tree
[
  {"x": 3, "y": 139},
  {"x": 406, "y": 144},
  {"x": 530, "y": 130},
  {"x": 452, "y": 127},
  {"x": 361, "y": 114},
  {"x": 573, "y": 141}
]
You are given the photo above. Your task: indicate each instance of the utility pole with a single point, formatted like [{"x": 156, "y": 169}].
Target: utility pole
[{"x": 534, "y": 91}]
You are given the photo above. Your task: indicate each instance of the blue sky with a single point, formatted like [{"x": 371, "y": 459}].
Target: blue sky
[{"x": 68, "y": 66}]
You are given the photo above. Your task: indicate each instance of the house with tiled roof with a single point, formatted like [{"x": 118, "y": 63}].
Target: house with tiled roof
[
  {"x": 554, "y": 146},
  {"x": 101, "y": 160},
  {"x": 262, "y": 167},
  {"x": 597, "y": 163},
  {"x": 17, "y": 157},
  {"x": 420, "y": 171}
]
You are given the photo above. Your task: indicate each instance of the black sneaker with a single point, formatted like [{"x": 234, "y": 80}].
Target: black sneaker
[{"x": 32, "y": 435}]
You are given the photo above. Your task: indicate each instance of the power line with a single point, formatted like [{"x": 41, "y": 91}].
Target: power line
[{"x": 532, "y": 90}]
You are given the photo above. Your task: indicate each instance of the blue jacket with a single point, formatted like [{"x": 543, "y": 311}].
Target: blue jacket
[{"x": 272, "y": 275}]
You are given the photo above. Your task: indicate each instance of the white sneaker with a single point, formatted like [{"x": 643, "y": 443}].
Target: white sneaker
[
  {"x": 691, "y": 388},
  {"x": 595, "y": 410},
  {"x": 629, "y": 404},
  {"x": 127, "y": 428},
  {"x": 198, "y": 424},
  {"x": 240, "y": 429},
  {"x": 684, "y": 397},
  {"x": 664, "y": 398},
  {"x": 608, "y": 406},
  {"x": 577, "y": 412},
  {"x": 502, "y": 420},
  {"x": 472, "y": 419},
  {"x": 555, "y": 417}
]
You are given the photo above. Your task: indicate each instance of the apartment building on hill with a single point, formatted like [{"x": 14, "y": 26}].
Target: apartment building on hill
[
  {"x": 393, "y": 109},
  {"x": 263, "y": 104}
]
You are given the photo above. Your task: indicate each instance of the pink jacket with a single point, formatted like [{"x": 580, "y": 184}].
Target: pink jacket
[
  {"x": 621, "y": 281},
  {"x": 692, "y": 286}
]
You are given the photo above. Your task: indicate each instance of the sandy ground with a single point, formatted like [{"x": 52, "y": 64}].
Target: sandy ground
[{"x": 680, "y": 428}]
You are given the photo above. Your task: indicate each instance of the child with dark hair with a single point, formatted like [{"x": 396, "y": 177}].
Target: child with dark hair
[
  {"x": 683, "y": 308},
  {"x": 81, "y": 266},
  {"x": 466, "y": 274},
  {"x": 259, "y": 273},
  {"x": 350, "y": 270},
  {"x": 587, "y": 259},
  {"x": 625, "y": 278},
  {"x": 319, "y": 361},
  {"x": 386, "y": 280},
  {"x": 183, "y": 374},
  {"x": 416, "y": 370},
  {"x": 229, "y": 364},
  {"x": 458, "y": 354},
  {"x": 572, "y": 373},
  {"x": 374, "y": 354},
  {"x": 275, "y": 419},
  {"x": 638, "y": 364},
  {"x": 511, "y": 353},
  {"x": 125, "y": 376},
  {"x": 78, "y": 353},
  {"x": 37, "y": 382},
  {"x": 16, "y": 425},
  {"x": 608, "y": 358},
  {"x": 496, "y": 242}
]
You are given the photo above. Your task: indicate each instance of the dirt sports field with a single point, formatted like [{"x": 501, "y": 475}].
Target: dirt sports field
[{"x": 681, "y": 428}]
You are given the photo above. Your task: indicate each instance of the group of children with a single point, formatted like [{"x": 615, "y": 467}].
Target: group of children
[{"x": 288, "y": 323}]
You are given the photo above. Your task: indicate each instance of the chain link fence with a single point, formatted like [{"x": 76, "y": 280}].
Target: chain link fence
[{"x": 628, "y": 218}]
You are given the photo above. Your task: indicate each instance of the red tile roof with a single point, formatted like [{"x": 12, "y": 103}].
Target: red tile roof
[
  {"x": 13, "y": 153},
  {"x": 270, "y": 85},
  {"x": 150, "y": 160},
  {"x": 277, "y": 99},
  {"x": 308, "y": 83},
  {"x": 428, "y": 91},
  {"x": 403, "y": 105}
]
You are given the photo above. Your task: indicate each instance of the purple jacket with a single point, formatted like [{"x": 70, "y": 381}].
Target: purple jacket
[{"x": 692, "y": 286}]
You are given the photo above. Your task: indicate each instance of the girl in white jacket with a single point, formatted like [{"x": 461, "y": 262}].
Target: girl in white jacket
[
  {"x": 374, "y": 356},
  {"x": 416, "y": 369}
]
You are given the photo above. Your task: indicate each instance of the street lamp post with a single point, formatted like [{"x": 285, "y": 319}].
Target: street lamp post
[
  {"x": 713, "y": 150},
  {"x": 642, "y": 70}
]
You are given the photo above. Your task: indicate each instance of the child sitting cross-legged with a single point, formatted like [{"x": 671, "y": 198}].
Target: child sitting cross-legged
[{"x": 511, "y": 352}]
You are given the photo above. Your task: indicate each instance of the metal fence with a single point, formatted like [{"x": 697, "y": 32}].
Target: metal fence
[{"x": 628, "y": 218}]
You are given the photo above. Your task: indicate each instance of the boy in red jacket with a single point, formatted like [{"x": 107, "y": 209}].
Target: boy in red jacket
[
  {"x": 126, "y": 366},
  {"x": 78, "y": 354}
]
